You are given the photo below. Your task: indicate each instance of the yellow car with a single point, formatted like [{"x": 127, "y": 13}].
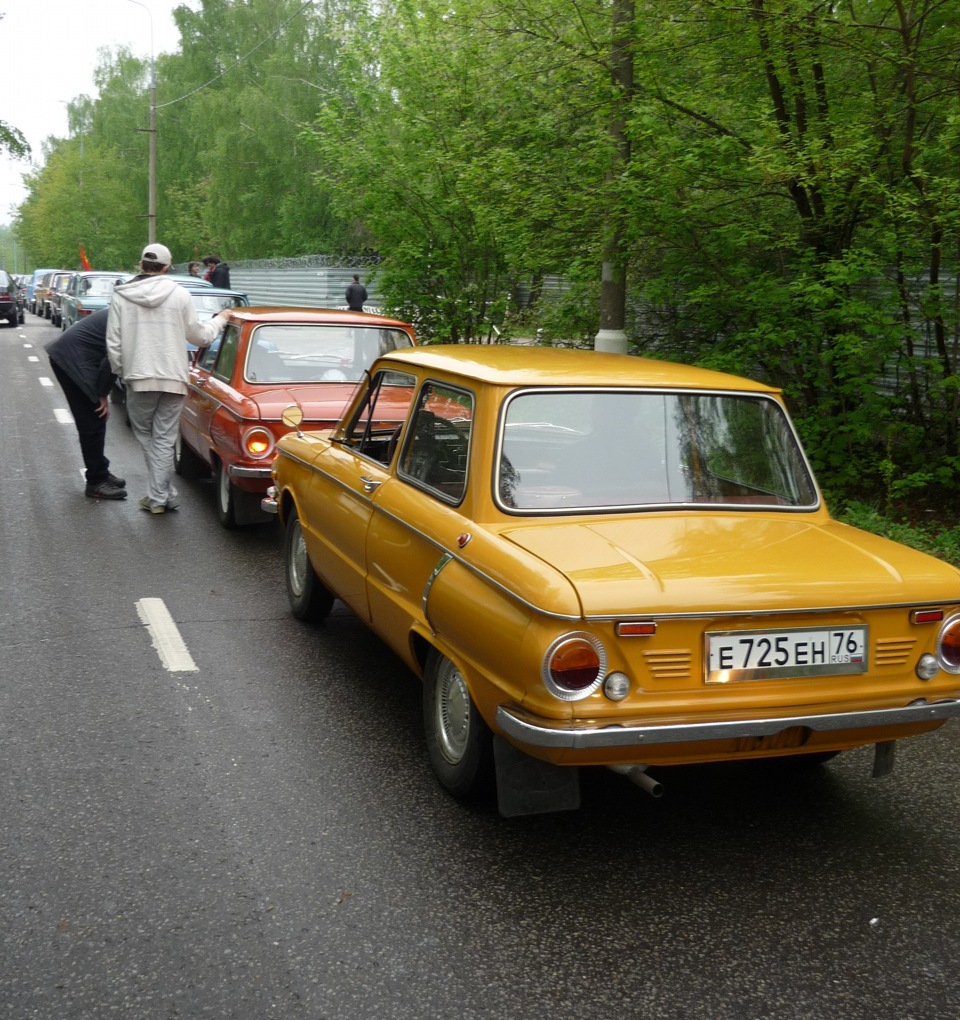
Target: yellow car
[{"x": 594, "y": 559}]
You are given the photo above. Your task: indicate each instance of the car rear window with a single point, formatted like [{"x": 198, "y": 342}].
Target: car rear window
[{"x": 566, "y": 450}]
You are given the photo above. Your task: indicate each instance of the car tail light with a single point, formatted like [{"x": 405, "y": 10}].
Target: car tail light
[
  {"x": 257, "y": 442},
  {"x": 574, "y": 666},
  {"x": 948, "y": 645}
]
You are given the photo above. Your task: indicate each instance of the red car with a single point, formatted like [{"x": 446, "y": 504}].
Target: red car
[{"x": 265, "y": 360}]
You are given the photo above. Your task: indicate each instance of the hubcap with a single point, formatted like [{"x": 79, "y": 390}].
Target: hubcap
[
  {"x": 453, "y": 714},
  {"x": 298, "y": 559},
  {"x": 224, "y": 489}
]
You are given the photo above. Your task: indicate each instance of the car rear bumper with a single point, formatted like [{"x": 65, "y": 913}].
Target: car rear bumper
[
  {"x": 535, "y": 731},
  {"x": 238, "y": 471}
]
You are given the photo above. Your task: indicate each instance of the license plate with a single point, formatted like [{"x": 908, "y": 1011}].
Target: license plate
[{"x": 775, "y": 654}]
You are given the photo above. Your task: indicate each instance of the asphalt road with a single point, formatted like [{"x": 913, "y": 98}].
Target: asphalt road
[{"x": 262, "y": 837}]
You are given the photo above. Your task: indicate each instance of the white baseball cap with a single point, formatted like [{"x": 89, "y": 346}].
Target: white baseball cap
[{"x": 157, "y": 253}]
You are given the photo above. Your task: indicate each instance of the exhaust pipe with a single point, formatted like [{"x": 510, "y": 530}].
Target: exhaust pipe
[{"x": 637, "y": 774}]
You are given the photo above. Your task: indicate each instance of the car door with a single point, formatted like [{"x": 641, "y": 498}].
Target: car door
[
  {"x": 417, "y": 518},
  {"x": 68, "y": 303},
  {"x": 347, "y": 483},
  {"x": 209, "y": 386}
]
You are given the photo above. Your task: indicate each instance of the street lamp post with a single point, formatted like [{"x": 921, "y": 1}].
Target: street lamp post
[{"x": 152, "y": 131}]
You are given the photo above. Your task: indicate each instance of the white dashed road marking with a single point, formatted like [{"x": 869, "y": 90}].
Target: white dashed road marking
[
  {"x": 33, "y": 357},
  {"x": 44, "y": 381},
  {"x": 63, "y": 416},
  {"x": 166, "y": 638}
]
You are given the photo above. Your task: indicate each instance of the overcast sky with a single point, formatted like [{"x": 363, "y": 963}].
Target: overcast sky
[{"x": 49, "y": 52}]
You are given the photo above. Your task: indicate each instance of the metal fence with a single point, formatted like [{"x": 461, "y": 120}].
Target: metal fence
[{"x": 313, "y": 281}]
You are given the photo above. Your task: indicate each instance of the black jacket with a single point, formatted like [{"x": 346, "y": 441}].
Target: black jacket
[
  {"x": 356, "y": 294},
  {"x": 220, "y": 277},
  {"x": 81, "y": 353}
]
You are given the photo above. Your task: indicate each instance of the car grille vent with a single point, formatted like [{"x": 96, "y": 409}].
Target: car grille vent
[
  {"x": 893, "y": 651},
  {"x": 669, "y": 664}
]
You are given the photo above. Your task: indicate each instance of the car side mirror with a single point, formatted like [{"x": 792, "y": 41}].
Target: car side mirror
[{"x": 292, "y": 417}]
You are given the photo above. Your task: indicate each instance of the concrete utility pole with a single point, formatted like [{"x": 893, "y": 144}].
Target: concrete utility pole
[
  {"x": 613, "y": 283},
  {"x": 152, "y": 131}
]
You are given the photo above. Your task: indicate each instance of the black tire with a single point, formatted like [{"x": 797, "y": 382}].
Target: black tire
[
  {"x": 186, "y": 462},
  {"x": 225, "y": 493},
  {"x": 459, "y": 742},
  {"x": 309, "y": 599}
]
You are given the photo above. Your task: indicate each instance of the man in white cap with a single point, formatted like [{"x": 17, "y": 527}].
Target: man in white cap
[{"x": 151, "y": 318}]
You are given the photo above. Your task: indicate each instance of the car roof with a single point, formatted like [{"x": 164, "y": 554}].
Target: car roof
[
  {"x": 317, "y": 316},
  {"x": 507, "y": 365}
]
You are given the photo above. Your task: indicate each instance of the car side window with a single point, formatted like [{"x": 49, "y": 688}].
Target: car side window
[
  {"x": 376, "y": 426},
  {"x": 226, "y": 357},
  {"x": 436, "y": 449}
]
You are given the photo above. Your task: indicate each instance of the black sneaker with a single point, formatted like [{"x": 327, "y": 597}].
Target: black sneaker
[
  {"x": 105, "y": 490},
  {"x": 120, "y": 483}
]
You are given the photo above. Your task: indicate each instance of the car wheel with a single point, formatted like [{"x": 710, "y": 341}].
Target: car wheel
[
  {"x": 309, "y": 599},
  {"x": 226, "y": 496},
  {"x": 459, "y": 742},
  {"x": 186, "y": 463}
]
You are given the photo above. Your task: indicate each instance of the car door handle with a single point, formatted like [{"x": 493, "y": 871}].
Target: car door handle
[{"x": 369, "y": 484}]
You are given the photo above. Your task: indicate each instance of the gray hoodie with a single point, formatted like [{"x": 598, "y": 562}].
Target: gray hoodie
[{"x": 151, "y": 319}]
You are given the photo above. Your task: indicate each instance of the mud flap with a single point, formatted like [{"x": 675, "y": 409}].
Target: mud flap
[
  {"x": 528, "y": 786},
  {"x": 883, "y": 755}
]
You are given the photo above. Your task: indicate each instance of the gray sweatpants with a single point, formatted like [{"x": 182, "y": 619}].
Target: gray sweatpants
[{"x": 155, "y": 418}]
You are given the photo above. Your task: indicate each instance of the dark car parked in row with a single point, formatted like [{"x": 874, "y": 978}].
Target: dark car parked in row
[{"x": 10, "y": 308}]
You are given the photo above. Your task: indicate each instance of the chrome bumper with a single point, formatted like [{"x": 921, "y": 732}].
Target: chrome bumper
[
  {"x": 538, "y": 732},
  {"x": 269, "y": 502},
  {"x": 235, "y": 471}
]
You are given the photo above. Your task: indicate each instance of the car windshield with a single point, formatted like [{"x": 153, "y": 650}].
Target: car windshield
[
  {"x": 214, "y": 303},
  {"x": 575, "y": 450},
  {"x": 314, "y": 352},
  {"x": 98, "y": 286}
]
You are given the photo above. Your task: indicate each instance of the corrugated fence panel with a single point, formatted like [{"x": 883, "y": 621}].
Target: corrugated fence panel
[{"x": 313, "y": 288}]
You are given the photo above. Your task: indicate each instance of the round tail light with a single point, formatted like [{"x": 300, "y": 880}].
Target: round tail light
[
  {"x": 948, "y": 645},
  {"x": 574, "y": 666},
  {"x": 258, "y": 442}
]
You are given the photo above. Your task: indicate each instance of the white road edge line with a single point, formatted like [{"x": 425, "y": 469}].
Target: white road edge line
[{"x": 165, "y": 636}]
